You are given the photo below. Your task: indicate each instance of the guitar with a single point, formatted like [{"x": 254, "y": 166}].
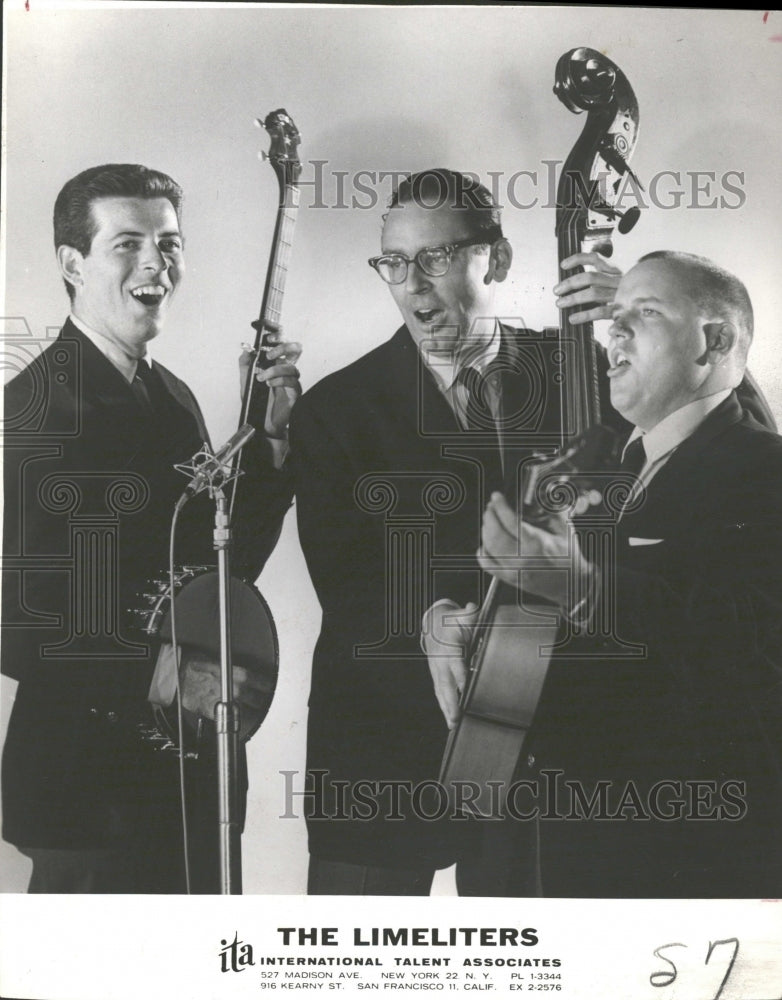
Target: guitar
[
  {"x": 194, "y": 590},
  {"x": 510, "y": 652}
]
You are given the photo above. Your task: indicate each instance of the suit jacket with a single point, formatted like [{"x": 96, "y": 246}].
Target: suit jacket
[
  {"x": 390, "y": 494},
  {"x": 684, "y": 738},
  {"x": 90, "y": 490}
]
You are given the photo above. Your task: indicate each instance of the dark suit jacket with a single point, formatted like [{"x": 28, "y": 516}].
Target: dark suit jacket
[
  {"x": 390, "y": 494},
  {"x": 703, "y": 705},
  {"x": 89, "y": 481}
]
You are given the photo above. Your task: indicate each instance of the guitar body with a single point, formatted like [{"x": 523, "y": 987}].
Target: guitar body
[{"x": 507, "y": 672}]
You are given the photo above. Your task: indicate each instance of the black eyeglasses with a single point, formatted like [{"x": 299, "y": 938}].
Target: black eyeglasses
[{"x": 434, "y": 261}]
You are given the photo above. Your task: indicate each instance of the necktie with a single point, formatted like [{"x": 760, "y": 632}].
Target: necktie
[
  {"x": 634, "y": 457},
  {"x": 633, "y": 460},
  {"x": 474, "y": 409},
  {"x": 139, "y": 387},
  {"x": 474, "y": 405}
]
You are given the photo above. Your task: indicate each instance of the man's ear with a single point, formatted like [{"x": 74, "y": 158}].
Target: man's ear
[
  {"x": 721, "y": 337},
  {"x": 70, "y": 261},
  {"x": 500, "y": 260}
]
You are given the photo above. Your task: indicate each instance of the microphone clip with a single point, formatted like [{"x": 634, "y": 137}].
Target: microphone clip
[
  {"x": 207, "y": 472},
  {"x": 212, "y": 471}
]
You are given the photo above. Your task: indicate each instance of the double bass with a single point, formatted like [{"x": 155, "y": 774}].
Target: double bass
[{"x": 514, "y": 638}]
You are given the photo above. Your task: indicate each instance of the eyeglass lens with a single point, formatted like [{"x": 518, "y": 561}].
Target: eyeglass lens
[{"x": 433, "y": 261}]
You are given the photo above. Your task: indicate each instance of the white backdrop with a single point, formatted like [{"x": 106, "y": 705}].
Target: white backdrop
[{"x": 369, "y": 89}]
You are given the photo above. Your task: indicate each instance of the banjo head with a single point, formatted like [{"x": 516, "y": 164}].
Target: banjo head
[{"x": 254, "y": 644}]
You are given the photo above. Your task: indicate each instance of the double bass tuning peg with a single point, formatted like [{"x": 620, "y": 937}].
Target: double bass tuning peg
[
  {"x": 613, "y": 151},
  {"x": 626, "y": 219}
]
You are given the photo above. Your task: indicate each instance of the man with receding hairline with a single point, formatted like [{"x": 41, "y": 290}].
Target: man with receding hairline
[{"x": 679, "y": 751}]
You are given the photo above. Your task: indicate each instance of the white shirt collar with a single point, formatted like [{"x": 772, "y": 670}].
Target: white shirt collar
[
  {"x": 677, "y": 426},
  {"x": 446, "y": 368},
  {"x": 125, "y": 366}
]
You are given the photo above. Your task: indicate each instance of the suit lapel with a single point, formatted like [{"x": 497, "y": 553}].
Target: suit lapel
[
  {"x": 101, "y": 383},
  {"x": 416, "y": 388},
  {"x": 184, "y": 432},
  {"x": 116, "y": 412},
  {"x": 525, "y": 409},
  {"x": 666, "y": 502},
  {"x": 104, "y": 400}
]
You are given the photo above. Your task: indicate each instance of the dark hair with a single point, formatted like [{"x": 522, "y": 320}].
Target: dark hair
[
  {"x": 74, "y": 225},
  {"x": 714, "y": 290},
  {"x": 461, "y": 192}
]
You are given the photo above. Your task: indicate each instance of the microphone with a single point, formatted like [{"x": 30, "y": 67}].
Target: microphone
[{"x": 212, "y": 466}]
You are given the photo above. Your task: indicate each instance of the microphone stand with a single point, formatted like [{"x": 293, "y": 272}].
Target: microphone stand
[
  {"x": 213, "y": 471},
  {"x": 226, "y": 713}
]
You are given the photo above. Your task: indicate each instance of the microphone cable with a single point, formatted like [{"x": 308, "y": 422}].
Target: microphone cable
[{"x": 180, "y": 722}]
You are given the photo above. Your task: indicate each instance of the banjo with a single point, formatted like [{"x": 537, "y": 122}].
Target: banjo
[{"x": 193, "y": 590}]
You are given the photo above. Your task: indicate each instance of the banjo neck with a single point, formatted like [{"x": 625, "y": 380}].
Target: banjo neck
[{"x": 283, "y": 156}]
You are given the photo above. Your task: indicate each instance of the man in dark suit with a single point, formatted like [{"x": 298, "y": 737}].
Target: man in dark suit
[
  {"x": 92, "y": 434},
  {"x": 660, "y": 774},
  {"x": 392, "y": 470}
]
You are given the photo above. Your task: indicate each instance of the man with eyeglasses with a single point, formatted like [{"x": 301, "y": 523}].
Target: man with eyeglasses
[{"x": 394, "y": 458}]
